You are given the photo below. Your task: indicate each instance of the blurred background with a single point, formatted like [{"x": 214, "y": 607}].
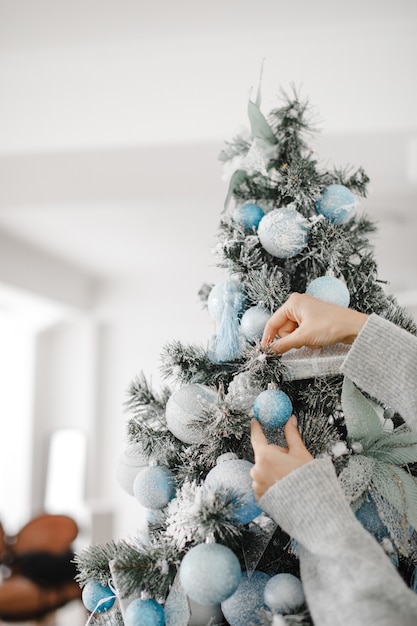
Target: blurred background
[{"x": 112, "y": 116}]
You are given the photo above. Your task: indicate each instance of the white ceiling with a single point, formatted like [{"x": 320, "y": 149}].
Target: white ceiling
[{"x": 112, "y": 115}]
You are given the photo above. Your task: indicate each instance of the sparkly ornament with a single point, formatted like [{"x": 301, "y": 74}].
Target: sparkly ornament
[
  {"x": 253, "y": 322},
  {"x": 185, "y": 408},
  {"x": 218, "y": 295},
  {"x": 272, "y": 408},
  {"x": 210, "y": 573},
  {"x": 242, "y": 607},
  {"x": 329, "y": 289},
  {"x": 144, "y": 613},
  {"x": 337, "y": 203},
  {"x": 284, "y": 594},
  {"x": 235, "y": 475},
  {"x": 369, "y": 517},
  {"x": 154, "y": 487},
  {"x": 242, "y": 392},
  {"x": 283, "y": 232},
  {"x": 248, "y": 215},
  {"x": 97, "y": 598},
  {"x": 130, "y": 463}
]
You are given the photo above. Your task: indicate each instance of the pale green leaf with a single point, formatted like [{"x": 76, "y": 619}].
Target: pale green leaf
[
  {"x": 362, "y": 421},
  {"x": 237, "y": 178},
  {"x": 399, "y": 488},
  {"x": 259, "y": 126}
]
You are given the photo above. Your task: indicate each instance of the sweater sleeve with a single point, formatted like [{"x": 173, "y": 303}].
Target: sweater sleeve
[
  {"x": 383, "y": 362},
  {"x": 348, "y": 579}
]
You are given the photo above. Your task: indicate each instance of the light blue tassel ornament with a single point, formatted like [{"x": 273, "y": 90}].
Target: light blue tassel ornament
[{"x": 228, "y": 343}]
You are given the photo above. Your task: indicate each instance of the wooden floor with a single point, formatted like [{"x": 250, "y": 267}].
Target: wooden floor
[{"x": 73, "y": 614}]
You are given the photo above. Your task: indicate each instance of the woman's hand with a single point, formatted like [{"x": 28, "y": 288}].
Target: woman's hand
[
  {"x": 273, "y": 462},
  {"x": 307, "y": 321}
]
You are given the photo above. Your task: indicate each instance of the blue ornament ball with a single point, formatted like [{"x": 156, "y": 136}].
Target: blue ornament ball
[
  {"x": 226, "y": 291},
  {"x": 272, "y": 408},
  {"x": 329, "y": 289},
  {"x": 130, "y": 463},
  {"x": 337, "y": 203},
  {"x": 185, "y": 408},
  {"x": 210, "y": 573},
  {"x": 242, "y": 607},
  {"x": 284, "y": 594},
  {"x": 154, "y": 487},
  {"x": 283, "y": 232},
  {"x": 248, "y": 215},
  {"x": 144, "y": 613},
  {"x": 97, "y": 598},
  {"x": 369, "y": 517},
  {"x": 235, "y": 475},
  {"x": 253, "y": 322}
]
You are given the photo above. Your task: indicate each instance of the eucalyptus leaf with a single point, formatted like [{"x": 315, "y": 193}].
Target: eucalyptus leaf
[
  {"x": 362, "y": 421},
  {"x": 237, "y": 179},
  {"x": 259, "y": 126}
]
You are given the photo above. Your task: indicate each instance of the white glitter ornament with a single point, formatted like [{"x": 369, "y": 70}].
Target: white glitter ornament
[
  {"x": 242, "y": 607},
  {"x": 154, "y": 487},
  {"x": 329, "y": 289},
  {"x": 283, "y": 232},
  {"x": 235, "y": 475},
  {"x": 185, "y": 408},
  {"x": 284, "y": 594},
  {"x": 210, "y": 573},
  {"x": 242, "y": 392},
  {"x": 253, "y": 322},
  {"x": 337, "y": 203}
]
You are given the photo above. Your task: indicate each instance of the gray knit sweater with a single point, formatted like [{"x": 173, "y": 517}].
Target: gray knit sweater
[{"x": 348, "y": 579}]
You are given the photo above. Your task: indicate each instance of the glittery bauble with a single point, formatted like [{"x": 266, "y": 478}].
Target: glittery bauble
[
  {"x": 227, "y": 290},
  {"x": 154, "y": 487},
  {"x": 272, "y": 408},
  {"x": 369, "y": 517},
  {"x": 337, "y": 203},
  {"x": 234, "y": 475},
  {"x": 253, "y": 322},
  {"x": 248, "y": 215},
  {"x": 283, "y": 232},
  {"x": 130, "y": 463},
  {"x": 144, "y": 613},
  {"x": 284, "y": 594},
  {"x": 210, "y": 573},
  {"x": 97, "y": 598},
  {"x": 185, "y": 408},
  {"x": 242, "y": 392},
  {"x": 329, "y": 289},
  {"x": 242, "y": 607}
]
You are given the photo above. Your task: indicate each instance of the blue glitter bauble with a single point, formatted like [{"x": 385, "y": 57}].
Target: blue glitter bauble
[
  {"x": 144, "y": 613},
  {"x": 283, "y": 232},
  {"x": 210, "y": 573},
  {"x": 97, "y": 598},
  {"x": 284, "y": 594},
  {"x": 235, "y": 475},
  {"x": 185, "y": 407},
  {"x": 369, "y": 517},
  {"x": 253, "y": 322},
  {"x": 154, "y": 487},
  {"x": 337, "y": 203},
  {"x": 130, "y": 463},
  {"x": 242, "y": 607},
  {"x": 272, "y": 408},
  {"x": 248, "y": 215},
  {"x": 329, "y": 289}
]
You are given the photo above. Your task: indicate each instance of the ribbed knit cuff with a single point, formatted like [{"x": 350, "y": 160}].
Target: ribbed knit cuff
[{"x": 309, "y": 504}]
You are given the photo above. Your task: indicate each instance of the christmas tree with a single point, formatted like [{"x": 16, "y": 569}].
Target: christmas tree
[{"x": 210, "y": 555}]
